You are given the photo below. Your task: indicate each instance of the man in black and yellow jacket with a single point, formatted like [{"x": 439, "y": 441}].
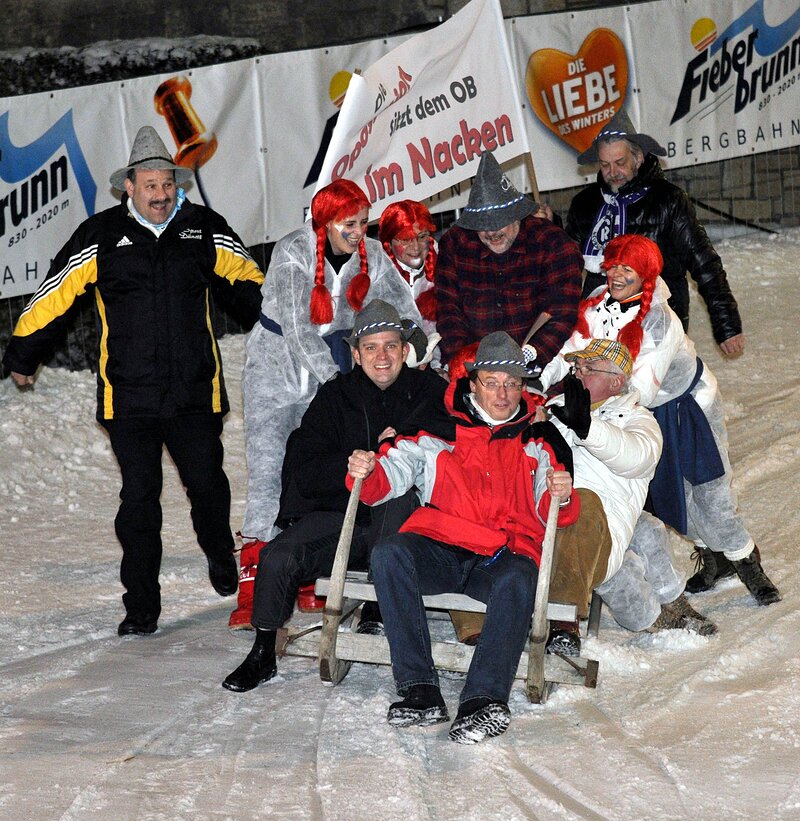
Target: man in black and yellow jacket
[{"x": 152, "y": 261}]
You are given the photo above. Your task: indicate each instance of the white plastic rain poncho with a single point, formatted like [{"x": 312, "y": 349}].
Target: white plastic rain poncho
[{"x": 283, "y": 369}]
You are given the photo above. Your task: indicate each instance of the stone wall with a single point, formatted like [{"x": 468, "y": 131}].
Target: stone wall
[{"x": 278, "y": 25}]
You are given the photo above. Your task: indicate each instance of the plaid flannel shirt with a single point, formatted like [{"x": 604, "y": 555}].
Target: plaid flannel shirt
[{"x": 479, "y": 291}]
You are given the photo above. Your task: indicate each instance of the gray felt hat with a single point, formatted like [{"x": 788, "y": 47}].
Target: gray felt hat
[
  {"x": 498, "y": 352},
  {"x": 376, "y": 317},
  {"x": 621, "y": 126},
  {"x": 494, "y": 202},
  {"x": 149, "y": 152}
]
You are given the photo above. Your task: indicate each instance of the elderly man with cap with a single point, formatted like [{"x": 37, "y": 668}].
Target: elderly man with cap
[
  {"x": 632, "y": 195},
  {"x": 152, "y": 261},
  {"x": 501, "y": 267},
  {"x": 615, "y": 548},
  {"x": 380, "y": 398},
  {"x": 485, "y": 476}
]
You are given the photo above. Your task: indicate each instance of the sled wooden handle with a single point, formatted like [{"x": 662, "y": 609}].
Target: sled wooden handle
[
  {"x": 335, "y": 596},
  {"x": 540, "y": 320}
]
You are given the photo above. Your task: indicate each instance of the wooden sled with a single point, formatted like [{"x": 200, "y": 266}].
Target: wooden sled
[{"x": 338, "y": 648}]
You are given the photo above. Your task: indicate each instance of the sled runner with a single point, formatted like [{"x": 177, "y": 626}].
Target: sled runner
[{"x": 338, "y": 645}]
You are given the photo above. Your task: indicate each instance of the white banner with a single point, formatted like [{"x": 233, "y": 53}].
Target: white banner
[
  {"x": 419, "y": 119},
  {"x": 709, "y": 80}
]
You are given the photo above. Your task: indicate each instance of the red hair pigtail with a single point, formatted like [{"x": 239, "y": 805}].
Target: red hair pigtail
[
  {"x": 359, "y": 284},
  {"x": 321, "y": 302}
]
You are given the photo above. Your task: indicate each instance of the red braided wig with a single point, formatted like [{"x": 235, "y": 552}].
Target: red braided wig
[
  {"x": 397, "y": 222},
  {"x": 455, "y": 367},
  {"x": 644, "y": 257},
  {"x": 340, "y": 199}
]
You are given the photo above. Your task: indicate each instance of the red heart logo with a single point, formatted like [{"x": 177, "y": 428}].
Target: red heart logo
[{"x": 576, "y": 95}]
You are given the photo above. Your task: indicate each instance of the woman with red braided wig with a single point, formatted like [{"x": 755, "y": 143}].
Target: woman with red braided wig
[
  {"x": 319, "y": 277},
  {"x": 406, "y": 231},
  {"x": 692, "y": 489}
]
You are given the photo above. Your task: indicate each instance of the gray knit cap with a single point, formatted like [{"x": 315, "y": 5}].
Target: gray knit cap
[
  {"x": 149, "y": 152},
  {"x": 622, "y": 127},
  {"x": 376, "y": 317},
  {"x": 498, "y": 352},
  {"x": 494, "y": 202}
]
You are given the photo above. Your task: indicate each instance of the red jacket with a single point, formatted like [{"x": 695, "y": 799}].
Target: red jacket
[{"x": 481, "y": 488}]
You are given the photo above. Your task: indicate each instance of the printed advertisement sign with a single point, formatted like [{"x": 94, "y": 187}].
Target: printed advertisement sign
[
  {"x": 708, "y": 80},
  {"x": 419, "y": 119}
]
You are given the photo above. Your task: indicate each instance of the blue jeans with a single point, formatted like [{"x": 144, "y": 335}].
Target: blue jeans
[{"x": 407, "y": 566}]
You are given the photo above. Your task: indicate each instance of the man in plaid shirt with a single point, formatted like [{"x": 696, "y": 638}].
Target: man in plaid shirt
[{"x": 500, "y": 268}]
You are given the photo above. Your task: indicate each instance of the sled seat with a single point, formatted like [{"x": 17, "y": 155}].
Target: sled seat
[{"x": 337, "y": 645}]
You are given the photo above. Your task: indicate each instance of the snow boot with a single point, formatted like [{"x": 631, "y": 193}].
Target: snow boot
[
  {"x": 680, "y": 615},
  {"x": 423, "y": 705},
  {"x": 755, "y": 579},
  {"x": 709, "y": 568},
  {"x": 480, "y": 718},
  {"x": 693, "y": 621},
  {"x": 259, "y": 666},
  {"x": 248, "y": 565},
  {"x": 307, "y": 601},
  {"x": 564, "y": 639}
]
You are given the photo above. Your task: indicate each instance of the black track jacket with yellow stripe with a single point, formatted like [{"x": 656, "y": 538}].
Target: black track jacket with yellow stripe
[{"x": 157, "y": 352}]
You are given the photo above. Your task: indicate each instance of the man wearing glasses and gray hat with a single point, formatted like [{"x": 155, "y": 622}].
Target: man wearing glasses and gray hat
[
  {"x": 485, "y": 478},
  {"x": 501, "y": 267},
  {"x": 152, "y": 261}
]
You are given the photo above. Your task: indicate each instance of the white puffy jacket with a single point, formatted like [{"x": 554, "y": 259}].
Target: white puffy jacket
[{"x": 616, "y": 460}]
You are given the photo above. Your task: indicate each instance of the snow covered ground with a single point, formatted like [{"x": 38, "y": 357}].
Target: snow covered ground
[{"x": 94, "y": 726}]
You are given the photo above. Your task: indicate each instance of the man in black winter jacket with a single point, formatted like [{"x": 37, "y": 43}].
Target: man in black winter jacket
[
  {"x": 379, "y": 399},
  {"x": 632, "y": 196},
  {"x": 152, "y": 261}
]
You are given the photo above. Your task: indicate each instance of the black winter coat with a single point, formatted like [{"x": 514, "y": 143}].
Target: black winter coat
[
  {"x": 349, "y": 413},
  {"x": 666, "y": 216},
  {"x": 158, "y": 355}
]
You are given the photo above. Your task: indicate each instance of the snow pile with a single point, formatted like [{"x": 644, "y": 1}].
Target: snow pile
[{"x": 680, "y": 726}]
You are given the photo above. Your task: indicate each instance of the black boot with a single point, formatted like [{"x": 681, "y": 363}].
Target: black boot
[
  {"x": 423, "y": 704},
  {"x": 259, "y": 666},
  {"x": 564, "y": 638},
  {"x": 709, "y": 568},
  {"x": 371, "y": 622},
  {"x": 480, "y": 718},
  {"x": 223, "y": 573},
  {"x": 755, "y": 579}
]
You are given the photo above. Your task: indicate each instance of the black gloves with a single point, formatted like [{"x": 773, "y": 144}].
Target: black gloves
[{"x": 576, "y": 410}]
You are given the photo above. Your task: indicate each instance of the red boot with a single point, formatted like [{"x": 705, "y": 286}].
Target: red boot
[
  {"x": 248, "y": 562},
  {"x": 307, "y": 602}
]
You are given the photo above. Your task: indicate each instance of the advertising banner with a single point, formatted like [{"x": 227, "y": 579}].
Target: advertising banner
[
  {"x": 419, "y": 119},
  {"x": 708, "y": 80}
]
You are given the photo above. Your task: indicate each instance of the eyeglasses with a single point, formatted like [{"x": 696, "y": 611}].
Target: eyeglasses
[
  {"x": 509, "y": 384},
  {"x": 575, "y": 368},
  {"x": 421, "y": 239}
]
